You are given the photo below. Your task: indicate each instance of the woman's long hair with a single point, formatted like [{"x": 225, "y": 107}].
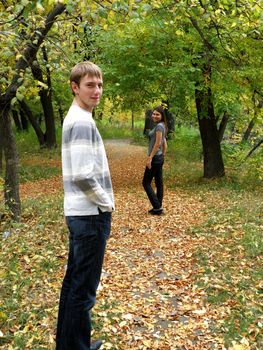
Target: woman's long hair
[{"x": 161, "y": 110}]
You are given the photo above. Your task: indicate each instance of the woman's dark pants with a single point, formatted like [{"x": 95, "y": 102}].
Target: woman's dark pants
[
  {"x": 156, "y": 173},
  {"x": 87, "y": 243}
]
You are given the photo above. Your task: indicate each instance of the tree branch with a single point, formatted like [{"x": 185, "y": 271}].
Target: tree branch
[
  {"x": 254, "y": 148},
  {"x": 15, "y": 18},
  {"x": 205, "y": 41},
  {"x": 30, "y": 52}
]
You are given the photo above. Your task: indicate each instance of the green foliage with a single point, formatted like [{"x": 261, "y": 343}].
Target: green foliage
[
  {"x": 247, "y": 171},
  {"x": 30, "y": 168},
  {"x": 27, "y": 143},
  {"x": 185, "y": 151},
  {"x": 165, "y": 48},
  {"x": 114, "y": 130},
  {"x": 186, "y": 145},
  {"x": 185, "y": 156}
]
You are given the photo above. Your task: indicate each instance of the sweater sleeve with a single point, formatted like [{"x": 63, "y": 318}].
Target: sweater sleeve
[{"x": 83, "y": 144}]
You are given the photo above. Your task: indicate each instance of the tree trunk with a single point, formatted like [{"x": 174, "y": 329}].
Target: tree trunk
[
  {"x": 1, "y": 145},
  {"x": 17, "y": 121},
  {"x": 213, "y": 161},
  {"x": 11, "y": 188},
  {"x": 24, "y": 120},
  {"x": 34, "y": 123},
  {"x": 61, "y": 114},
  {"x": 248, "y": 131},
  {"x": 222, "y": 126},
  {"x": 45, "y": 98},
  {"x": 253, "y": 120},
  {"x": 133, "y": 117},
  {"x": 49, "y": 115}
]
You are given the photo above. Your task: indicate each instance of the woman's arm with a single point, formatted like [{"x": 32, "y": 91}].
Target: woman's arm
[{"x": 157, "y": 144}]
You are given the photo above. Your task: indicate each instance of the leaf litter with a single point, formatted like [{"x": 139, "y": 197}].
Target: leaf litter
[{"x": 148, "y": 297}]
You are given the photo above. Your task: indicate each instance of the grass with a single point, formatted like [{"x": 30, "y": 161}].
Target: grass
[
  {"x": 231, "y": 272},
  {"x": 37, "y": 172}
]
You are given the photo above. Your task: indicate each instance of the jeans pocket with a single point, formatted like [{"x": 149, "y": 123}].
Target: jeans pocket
[
  {"x": 81, "y": 227},
  {"x": 90, "y": 226}
]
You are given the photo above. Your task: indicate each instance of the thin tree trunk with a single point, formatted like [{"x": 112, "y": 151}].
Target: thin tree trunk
[
  {"x": 252, "y": 121},
  {"x": 24, "y": 120},
  {"x": 222, "y": 126},
  {"x": 61, "y": 114},
  {"x": 133, "y": 117},
  {"x": 254, "y": 148},
  {"x": 49, "y": 115},
  {"x": 17, "y": 120},
  {"x": 248, "y": 130},
  {"x": 1, "y": 144},
  {"x": 45, "y": 98},
  {"x": 34, "y": 123}
]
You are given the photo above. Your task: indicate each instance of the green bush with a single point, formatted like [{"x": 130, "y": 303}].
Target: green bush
[{"x": 185, "y": 145}]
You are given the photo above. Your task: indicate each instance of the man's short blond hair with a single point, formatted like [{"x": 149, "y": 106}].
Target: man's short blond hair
[{"x": 81, "y": 69}]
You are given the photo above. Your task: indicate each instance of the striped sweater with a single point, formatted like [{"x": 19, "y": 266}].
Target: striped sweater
[{"x": 86, "y": 175}]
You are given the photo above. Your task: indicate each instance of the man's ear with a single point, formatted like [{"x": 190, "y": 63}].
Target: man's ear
[{"x": 74, "y": 87}]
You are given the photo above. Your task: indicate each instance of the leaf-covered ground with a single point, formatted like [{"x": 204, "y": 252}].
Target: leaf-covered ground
[{"x": 149, "y": 296}]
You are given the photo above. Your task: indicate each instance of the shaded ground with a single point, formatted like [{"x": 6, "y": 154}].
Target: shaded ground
[{"x": 147, "y": 298}]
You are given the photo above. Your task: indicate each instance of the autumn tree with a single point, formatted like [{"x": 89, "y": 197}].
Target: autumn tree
[
  {"x": 201, "y": 51},
  {"x": 13, "y": 79}
]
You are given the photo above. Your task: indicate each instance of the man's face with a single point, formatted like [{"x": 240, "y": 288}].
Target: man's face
[{"x": 88, "y": 92}]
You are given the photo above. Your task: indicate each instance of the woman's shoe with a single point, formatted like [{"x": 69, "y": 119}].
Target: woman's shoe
[{"x": 156, "y": 211}]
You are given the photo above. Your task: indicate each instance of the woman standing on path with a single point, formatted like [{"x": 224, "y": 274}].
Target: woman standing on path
[{"x": 155, "y": 160}]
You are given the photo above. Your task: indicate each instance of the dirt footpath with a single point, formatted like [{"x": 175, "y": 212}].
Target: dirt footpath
[{"x": 148, "y": 284}]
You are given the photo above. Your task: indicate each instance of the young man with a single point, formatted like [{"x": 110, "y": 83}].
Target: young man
[{"x": 88, "y": 203}]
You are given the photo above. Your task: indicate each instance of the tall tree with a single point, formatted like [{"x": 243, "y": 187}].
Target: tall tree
[
  {"x": 12, "y": 197},
  {"x": 187, "y": 51}
]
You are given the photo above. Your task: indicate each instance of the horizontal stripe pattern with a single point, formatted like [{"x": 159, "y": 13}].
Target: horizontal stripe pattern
[{"x": 86, "y": 175}]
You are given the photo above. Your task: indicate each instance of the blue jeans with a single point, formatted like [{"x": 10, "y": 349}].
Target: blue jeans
[
  {"x": 87, "y": 243},
  {"x": 156, "y": 173}
]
